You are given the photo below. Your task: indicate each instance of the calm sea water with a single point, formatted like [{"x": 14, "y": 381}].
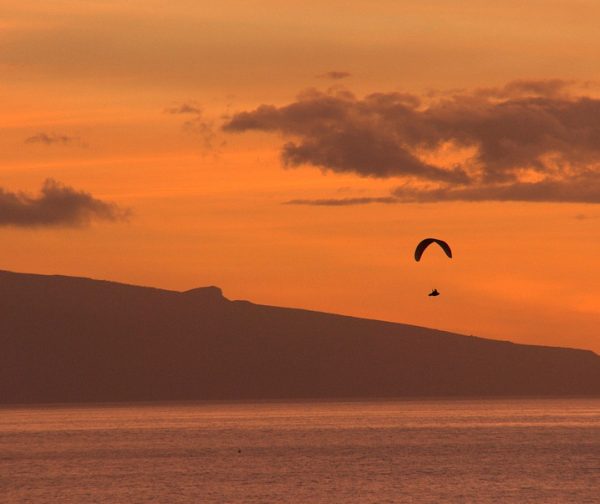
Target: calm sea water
[{"x": 504, "y": 451}]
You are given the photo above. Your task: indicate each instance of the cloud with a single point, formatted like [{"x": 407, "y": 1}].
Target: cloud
[
  {"x": 51, "y": 139},
  {"x": 526, "y": 141},
  {"x": 585, "y": 216},
  {"x": 197, "y": 125},
  {"x": 585, "y": 189},
  {"x": 550, "y": 88},
  {"x": 184, "y": 108},
  {"x": 343, "y": 201},
  {"x": 57, "y": 205},
  {"x": 341, "y": 133},
  {"x": 335, "y": 75}
]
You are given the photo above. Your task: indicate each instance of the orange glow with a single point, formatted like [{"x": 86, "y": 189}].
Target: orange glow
[{"x": 208, "y": 207}]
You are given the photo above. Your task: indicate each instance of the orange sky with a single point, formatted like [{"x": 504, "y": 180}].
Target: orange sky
[{"x": 88, "y": 95}]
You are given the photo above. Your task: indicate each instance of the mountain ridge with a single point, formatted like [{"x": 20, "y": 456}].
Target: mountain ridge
[{"x": 75, "y": 339}]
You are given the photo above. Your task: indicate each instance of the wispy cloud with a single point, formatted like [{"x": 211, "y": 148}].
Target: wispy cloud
[
  {"x": 198, "y": 125},
  {"x": 582, "y": 217},
  {"x": 549, "y": 88},
  {"x": 184, "y": 108},
  {"x": 525, "y": 141},
  {"x": 581, "y": 189},
  {"x": 52, "y": 139},
  {"x": 335, "y": 75},
  {"x": 343, "y": 201},
  {"x": 57, "y": 205}
]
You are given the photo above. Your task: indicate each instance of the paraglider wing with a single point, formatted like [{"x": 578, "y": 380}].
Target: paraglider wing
[{"x": 428, "y": 241}]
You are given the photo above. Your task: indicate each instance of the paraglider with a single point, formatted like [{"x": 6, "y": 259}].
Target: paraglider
[{"x": 423, "y": 244}]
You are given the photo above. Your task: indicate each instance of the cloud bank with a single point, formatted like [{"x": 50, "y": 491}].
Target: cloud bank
[
  {"x": 57, "y": 205},
  {"x": 526, "y": 141}
]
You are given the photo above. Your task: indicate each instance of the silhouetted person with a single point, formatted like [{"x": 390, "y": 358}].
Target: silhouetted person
[{"x": 434, "y": 292}]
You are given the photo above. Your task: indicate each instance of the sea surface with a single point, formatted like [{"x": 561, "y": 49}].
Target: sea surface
[{"x": 458, "y": 451}]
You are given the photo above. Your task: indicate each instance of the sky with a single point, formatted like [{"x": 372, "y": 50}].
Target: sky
[{"x": 294, "y": 153}]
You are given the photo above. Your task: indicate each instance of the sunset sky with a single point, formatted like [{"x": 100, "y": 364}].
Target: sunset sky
[{"x": 294, "y": 153}]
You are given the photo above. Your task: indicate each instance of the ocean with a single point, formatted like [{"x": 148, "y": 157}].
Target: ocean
[{"x": 413, "y": 451}]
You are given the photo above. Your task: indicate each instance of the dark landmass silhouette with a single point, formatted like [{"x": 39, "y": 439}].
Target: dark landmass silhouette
[{"x": 66, "y": 339}]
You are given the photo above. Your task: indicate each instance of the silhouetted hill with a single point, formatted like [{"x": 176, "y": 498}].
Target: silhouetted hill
[{"x": 69, "y": 339}]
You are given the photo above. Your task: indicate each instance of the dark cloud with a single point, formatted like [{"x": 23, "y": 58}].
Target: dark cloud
[
  {"x": 57, "y": 205},
  {"x": 335, "y": 75},
  {"x": 51, "y": 139},
  {"x": 343, "y": 201},
  {"x": 526, "y": 141},
  {"x": 340, "y": 133}
]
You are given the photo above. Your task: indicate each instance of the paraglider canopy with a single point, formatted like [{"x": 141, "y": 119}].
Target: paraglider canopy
[{"x": 423, "y": 244}]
